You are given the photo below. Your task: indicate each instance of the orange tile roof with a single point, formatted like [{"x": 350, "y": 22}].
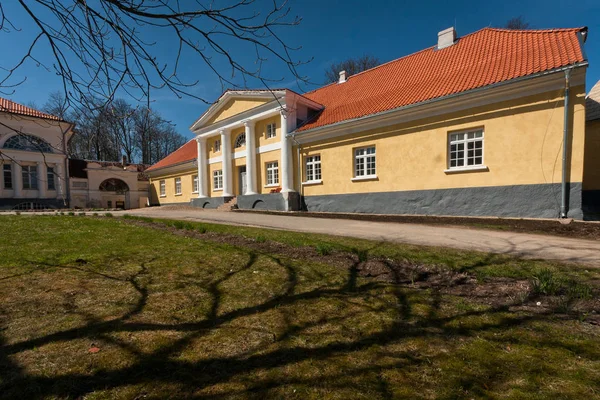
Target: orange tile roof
[
  {"x": 16, "y": 108},
  {"x": 479, "y": 59},
  {"x": 476, "y": 60},
  {"x": 187, "y": 152}
]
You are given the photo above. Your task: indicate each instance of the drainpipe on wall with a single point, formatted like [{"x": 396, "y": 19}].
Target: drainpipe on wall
[{"x": 564, "y": 204}]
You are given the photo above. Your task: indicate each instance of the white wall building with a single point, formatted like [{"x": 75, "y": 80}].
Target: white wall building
[
  {"x": 104, "y": 184},
  {"x": 33, "y": 158}
]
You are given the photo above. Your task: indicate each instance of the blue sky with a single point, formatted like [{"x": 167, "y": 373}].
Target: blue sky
[{"x": 331, "y": 31}]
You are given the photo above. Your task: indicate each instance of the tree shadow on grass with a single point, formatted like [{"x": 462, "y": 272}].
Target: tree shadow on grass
[{"x": 164, "y": 366}]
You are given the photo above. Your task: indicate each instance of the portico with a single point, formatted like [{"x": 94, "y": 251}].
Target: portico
[{"x": 244, "y": 148}]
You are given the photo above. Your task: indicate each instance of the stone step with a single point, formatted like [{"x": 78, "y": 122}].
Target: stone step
[{"x": 230, "y": 205}]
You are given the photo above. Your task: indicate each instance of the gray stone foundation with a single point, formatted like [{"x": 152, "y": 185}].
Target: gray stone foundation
[
  {"x": 9, "y": 203},
  {"x": 272, "y": 201},
  {"x": 209, "y": 202},
  {"x": 526, "y": 201}
]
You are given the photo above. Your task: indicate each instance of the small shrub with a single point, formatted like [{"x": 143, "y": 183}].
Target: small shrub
[
  {"x": 95, "y": 214},
  {"x": 260, "y": 239},
  {"x": 62, "y": 213},
  {"x": 201, "y": 229},
  {"x": 82, "y": 214},
  {"x": 545, "y": 282},
  {"x": 178, "y": 224},
  {"x": 576, "y": 290},
  {"x": 108, "y": 215},
  {"x": 127, "y": 216},
  {"x": 71, "y": 213},
  {"x": 18, "y": 213},
  {"x": 324, "y": 249}
]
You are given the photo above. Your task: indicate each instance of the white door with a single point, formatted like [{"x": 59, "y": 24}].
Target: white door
[{"x": 243, "y": 182}]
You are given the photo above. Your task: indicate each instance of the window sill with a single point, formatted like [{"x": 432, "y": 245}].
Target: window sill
[
  {"x": 177, "y": 194},
  {"x": 217, "y": 190},
  {"x": 315, "y": 182},
  {"x": 474, "y": 168},
  {"x": 365, "y": 178},
  {"x": 272, "y": 186},
  {"x": 196, "y": 192},
  {"x": 163, "y": 195}
]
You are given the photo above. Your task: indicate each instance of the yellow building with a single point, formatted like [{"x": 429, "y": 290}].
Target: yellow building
[{"x": 472, "y": 126}]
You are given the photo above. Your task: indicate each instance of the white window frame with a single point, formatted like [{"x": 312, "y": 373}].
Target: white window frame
[
  {"x": 51, "y": 182},
  {"x": 178, "y": 186},
  {"x": 359, "y": 155},
  {"x": 7, "y": 174},
  {"x": 29, "y": 174},
  {"x": 240, "y": 141},
  {"x": 310, "y": 169},
  {"x": 271, "y": 130},
  {"x": 217, "y": 146},
  {"x": 466, "y": 138},
  {"x": 162, "y": 188},
  {"x": 194, "y": 183},
  {"x": 218, "y": 179},
  {"x": 272, "y": 173}
]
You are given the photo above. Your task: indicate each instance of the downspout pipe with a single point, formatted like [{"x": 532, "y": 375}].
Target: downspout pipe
[{"x": 564, "y": 202}]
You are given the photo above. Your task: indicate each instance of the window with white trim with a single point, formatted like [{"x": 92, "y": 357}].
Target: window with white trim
[
  {"x": 217, "y": 146},
  {"x": 177, "y": 186},
  {"x": 313, "y": 168},
  {"x": 273, "y": 173},
  {"x": 364, "y": 162},
  {"x": 163, "y": 188},
  {"x": 240, "y": 141},
  {"x": 218, "y": 179},
  {"x": 7, "y": 169},
  {"x": 195, "y": 184},
  {"x": 466, "y": 149},
  {"x": 30, "y": 177},
  {"x": 50, "y": 177},
  {"x": 271, "y": 130}
]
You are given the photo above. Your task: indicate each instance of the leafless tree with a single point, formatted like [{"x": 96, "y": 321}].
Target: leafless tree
[
  {"x": 517, "y": 23},
  {"x": 351, "y": 66},
  {"x": 107, "y": 48}
]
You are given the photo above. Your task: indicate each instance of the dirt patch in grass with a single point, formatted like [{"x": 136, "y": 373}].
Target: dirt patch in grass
[
  {"x": 576, "y": 229},
  {"x": 497, "y": 292}
]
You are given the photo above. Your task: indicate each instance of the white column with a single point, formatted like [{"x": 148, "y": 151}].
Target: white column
[
  {"x": 202, "y": 179},
  {"x": 226, "y": 151},
  {"x": 286, "y": 156},
  {"x": 41, "y": 179},
  {"x": 60, "y": 180},
  {"x": 17, "y": 180},
  {"x": 250, "y": 158}
]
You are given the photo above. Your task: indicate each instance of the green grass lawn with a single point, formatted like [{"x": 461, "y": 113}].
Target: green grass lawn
[{"x": 177, "y": 317}]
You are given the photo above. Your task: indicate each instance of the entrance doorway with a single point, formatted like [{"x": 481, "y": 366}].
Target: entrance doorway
[{"x": 242, "y": 180}]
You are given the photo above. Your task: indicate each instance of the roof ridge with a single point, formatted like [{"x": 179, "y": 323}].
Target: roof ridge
[
  {"x": 546, "y": 30},
  {"x": 458, "y": 38},
  {"x": 25, "y": 110},
  {"x": 397, "y": 59}
]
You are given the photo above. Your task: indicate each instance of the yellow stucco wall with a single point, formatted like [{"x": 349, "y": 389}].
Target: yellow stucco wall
[
  {"x": 591, "y": 168},
  {"x": 170, "y": 196},
  {"x": 523, "y": 138},
  {"x": 233, "y": 107},
  {"x": 211, "y": 188},
  {"x": 260, "y": 129},
  {"x": 261, "y": 162}
]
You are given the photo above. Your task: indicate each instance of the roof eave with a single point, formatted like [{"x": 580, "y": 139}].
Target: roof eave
[{"x": 319, "y": 129}]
